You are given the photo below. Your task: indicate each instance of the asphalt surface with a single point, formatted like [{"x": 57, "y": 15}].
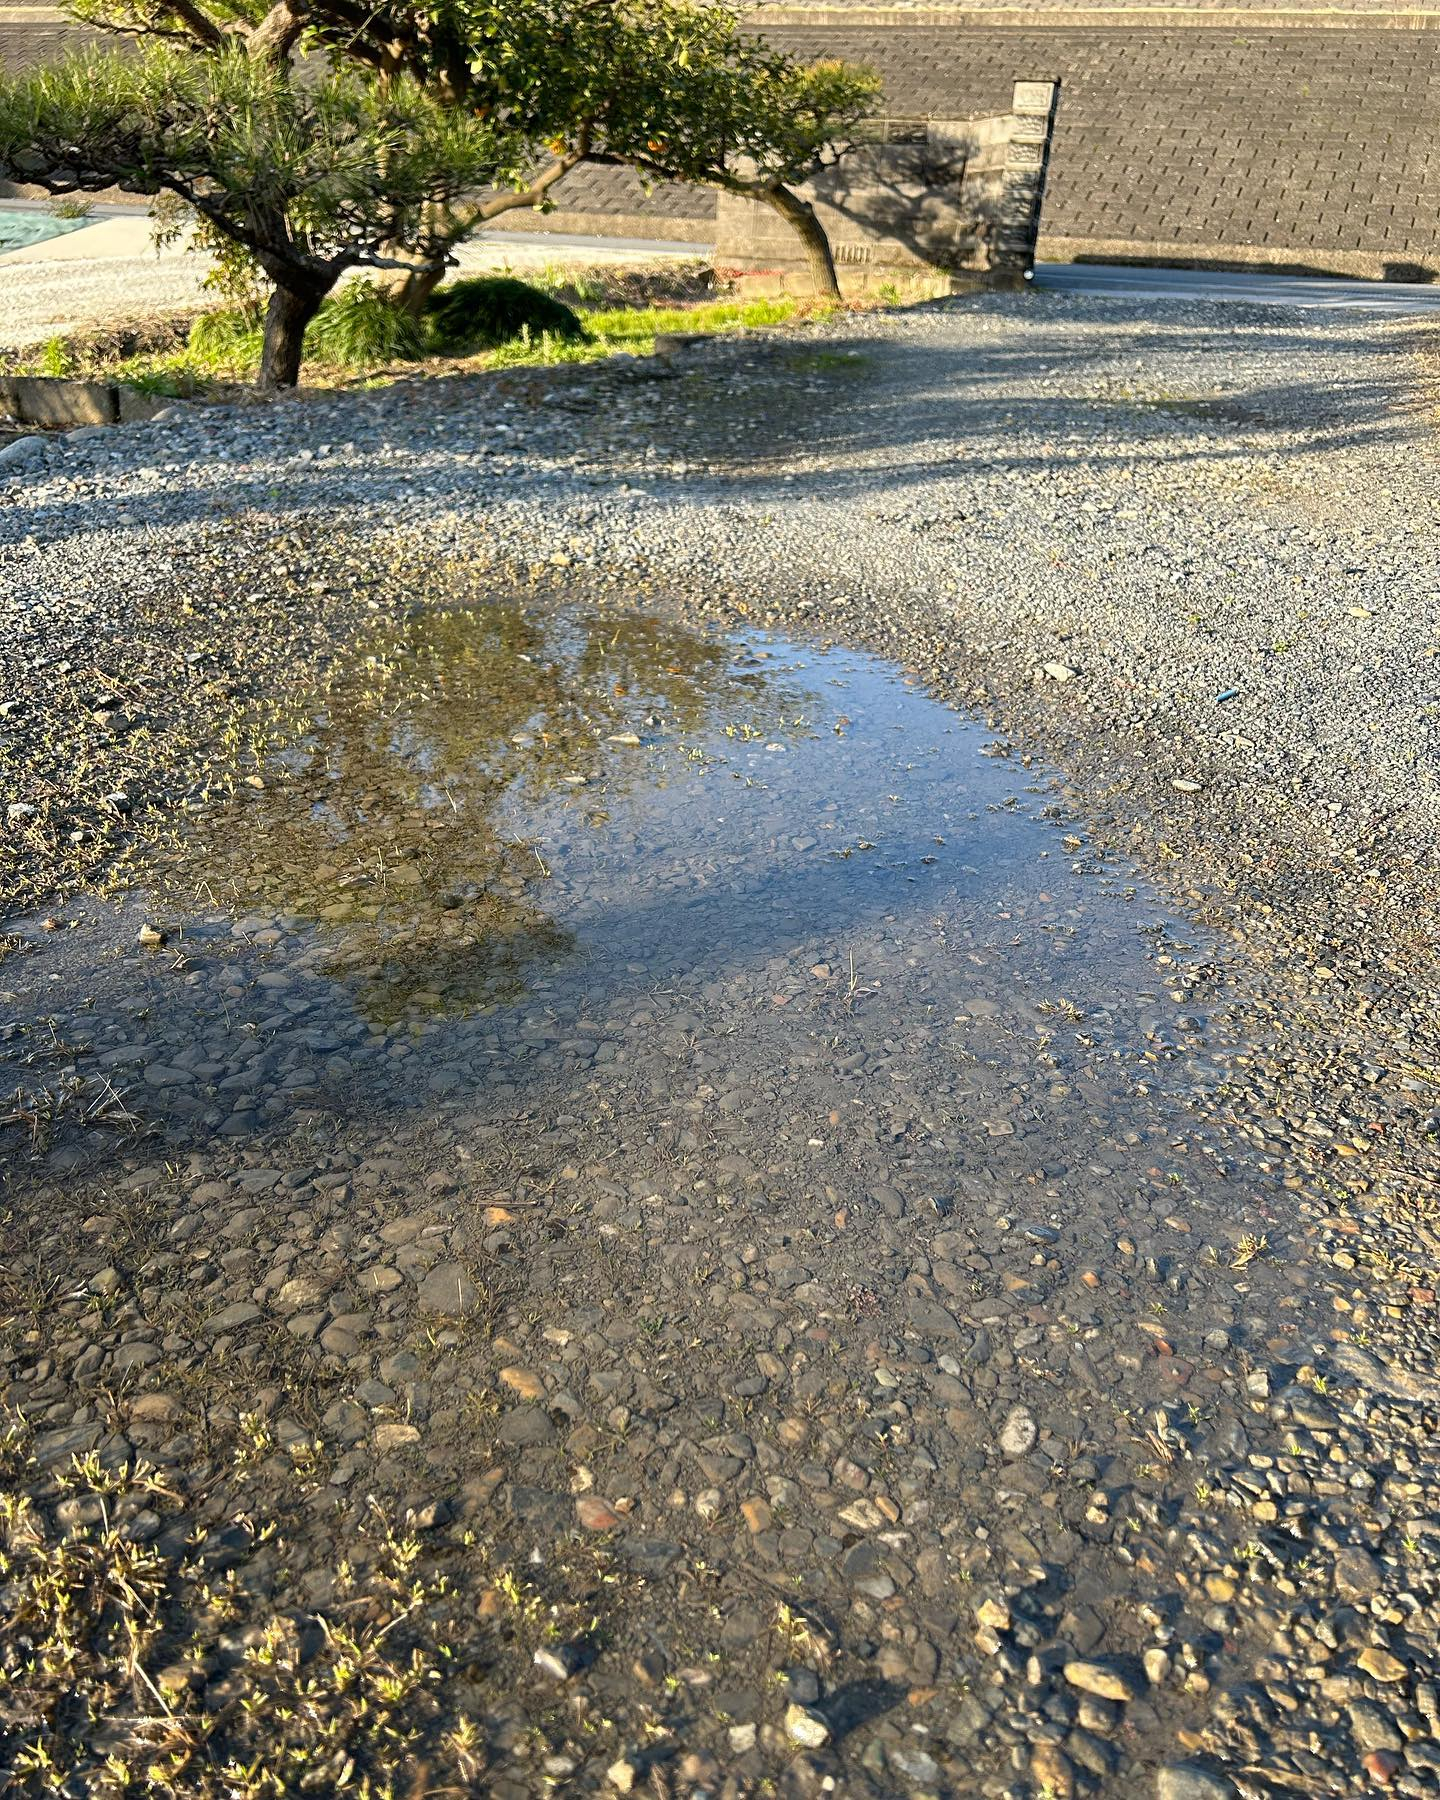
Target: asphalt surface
[{"x": 1306, "y": 291}]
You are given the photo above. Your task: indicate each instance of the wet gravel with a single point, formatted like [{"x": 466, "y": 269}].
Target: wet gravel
[
  {"x": 886, "y": 1325},
  {"x": 1179, "y": 502}
]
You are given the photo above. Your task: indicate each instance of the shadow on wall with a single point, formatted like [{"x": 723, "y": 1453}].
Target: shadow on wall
[
  {"x": 934, "y": 201},
  {"x": 954, "y": 197}
]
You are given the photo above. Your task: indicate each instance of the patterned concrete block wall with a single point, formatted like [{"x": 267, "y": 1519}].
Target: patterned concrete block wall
[
  {"x": 36, "y": 34},
  {"x": 958, "y": 196},
  {"x": 1296, "y": 144},
  {"x": 1303, "y": 138},
  {"x": 1304, "y": 147},
  {"x": 1301, "y": 141}
]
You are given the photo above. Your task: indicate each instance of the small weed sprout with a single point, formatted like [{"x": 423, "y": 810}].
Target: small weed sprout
[{"x": 1247, "y": 1249}]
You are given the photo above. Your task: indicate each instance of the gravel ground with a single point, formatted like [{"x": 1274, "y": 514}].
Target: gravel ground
[
  {"x": 1178, "y": 503},
  {"x": 1061, "y": 1418}
]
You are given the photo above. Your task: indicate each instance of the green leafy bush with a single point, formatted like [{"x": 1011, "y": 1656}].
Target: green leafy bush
[
  {"x": 55, "y": 359},
  {"x": 489, "y": 310},
  {"x": 316, "y": 170}
]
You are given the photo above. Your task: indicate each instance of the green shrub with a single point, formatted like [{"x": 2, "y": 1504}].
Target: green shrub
[
  {"x": 489, "y": 310},
  {"x": 227, "y": 340},
  {"x": 362, "y": 328},
  {"x": 168, "y": 384},
  {"x": 55, "y": 359}
]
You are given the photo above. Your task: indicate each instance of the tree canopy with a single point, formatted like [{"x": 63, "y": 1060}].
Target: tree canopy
[
  {"x": 677, "y": 90},
  {"x": 312, "y": 177},
  {"x": 324, "y": 135}
]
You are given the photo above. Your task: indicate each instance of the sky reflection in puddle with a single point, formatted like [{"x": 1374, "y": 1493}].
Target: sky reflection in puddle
[{"x": 578, "y": 838}]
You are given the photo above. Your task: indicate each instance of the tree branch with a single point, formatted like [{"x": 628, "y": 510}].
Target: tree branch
[
  {"x": 133, "y": 29},
  {"x": 199, "y": 25},
  {"x": 535, "y": 194},
  {"x": 377, "y": 37},
  {"x": 377, "y": 259},
  {"x": 715, "y": 175},
  {"x": 276, "y": 35}
]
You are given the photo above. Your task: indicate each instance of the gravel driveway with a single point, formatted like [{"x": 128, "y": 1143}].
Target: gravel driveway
[
  {"x": 790, "y": 1242},
  {"x": 1221, "y": 519}
]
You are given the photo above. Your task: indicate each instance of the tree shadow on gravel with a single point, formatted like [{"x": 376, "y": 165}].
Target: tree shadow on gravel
[
  {"x": 697, "y": 962},
  {"x": 887, "y": 412},
  {"x": 857, "y": 1703},
  {"x": 929, "y": 414}
]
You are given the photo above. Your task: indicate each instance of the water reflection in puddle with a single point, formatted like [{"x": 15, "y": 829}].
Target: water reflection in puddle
[{"x": 517, "y": 847}]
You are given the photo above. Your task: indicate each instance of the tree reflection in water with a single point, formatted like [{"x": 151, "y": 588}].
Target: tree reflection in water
[{"x": 399, "y": 814}]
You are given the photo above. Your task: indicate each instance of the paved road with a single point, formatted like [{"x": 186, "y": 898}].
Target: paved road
[
  {"x": 603, "y": 246},
  {"x": 111, "y": 269},
  {"x": 1261, "y": 290},
  {"x": 1103, "y": 278}
]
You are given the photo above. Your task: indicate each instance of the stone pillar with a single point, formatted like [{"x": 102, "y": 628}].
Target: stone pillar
[{"x": 1026, "y": 161}]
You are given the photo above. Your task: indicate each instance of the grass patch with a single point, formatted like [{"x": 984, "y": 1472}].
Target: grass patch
[
  {"x": 632, "y": 330},
  {"x": 222, "y": 340},
  {"x": 485, "y": 323},
  {"x": 79, "y": 1100},
  {"x": 627, "y": 324},
  {"x": 139, "y": 1657},
  {"x": 108, "y": 1645}
]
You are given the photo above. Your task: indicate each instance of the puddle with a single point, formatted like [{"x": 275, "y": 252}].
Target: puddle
[
  {"x": 1220, "y": 412},
  {"x": 732, "y": 1048},
  {"x": 555, "y": 857}
]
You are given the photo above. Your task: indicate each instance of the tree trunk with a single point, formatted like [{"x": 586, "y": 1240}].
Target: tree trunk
[
  {"x": 799, "y": 215},
  {"x": 417, "y": 288},
  {"x": 409, "y": 289},
  {"x": 291, "y": 309}
]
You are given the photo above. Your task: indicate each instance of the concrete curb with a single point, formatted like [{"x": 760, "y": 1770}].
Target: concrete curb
[
  {"x": 64, "y": 405},
  {"x": 1239, "y": 259}
]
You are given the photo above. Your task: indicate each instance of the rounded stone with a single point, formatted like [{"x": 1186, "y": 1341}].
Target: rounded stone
[
  {"x": 1019, "y": 1434},
  {"x": 449, "y": 1290}
]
